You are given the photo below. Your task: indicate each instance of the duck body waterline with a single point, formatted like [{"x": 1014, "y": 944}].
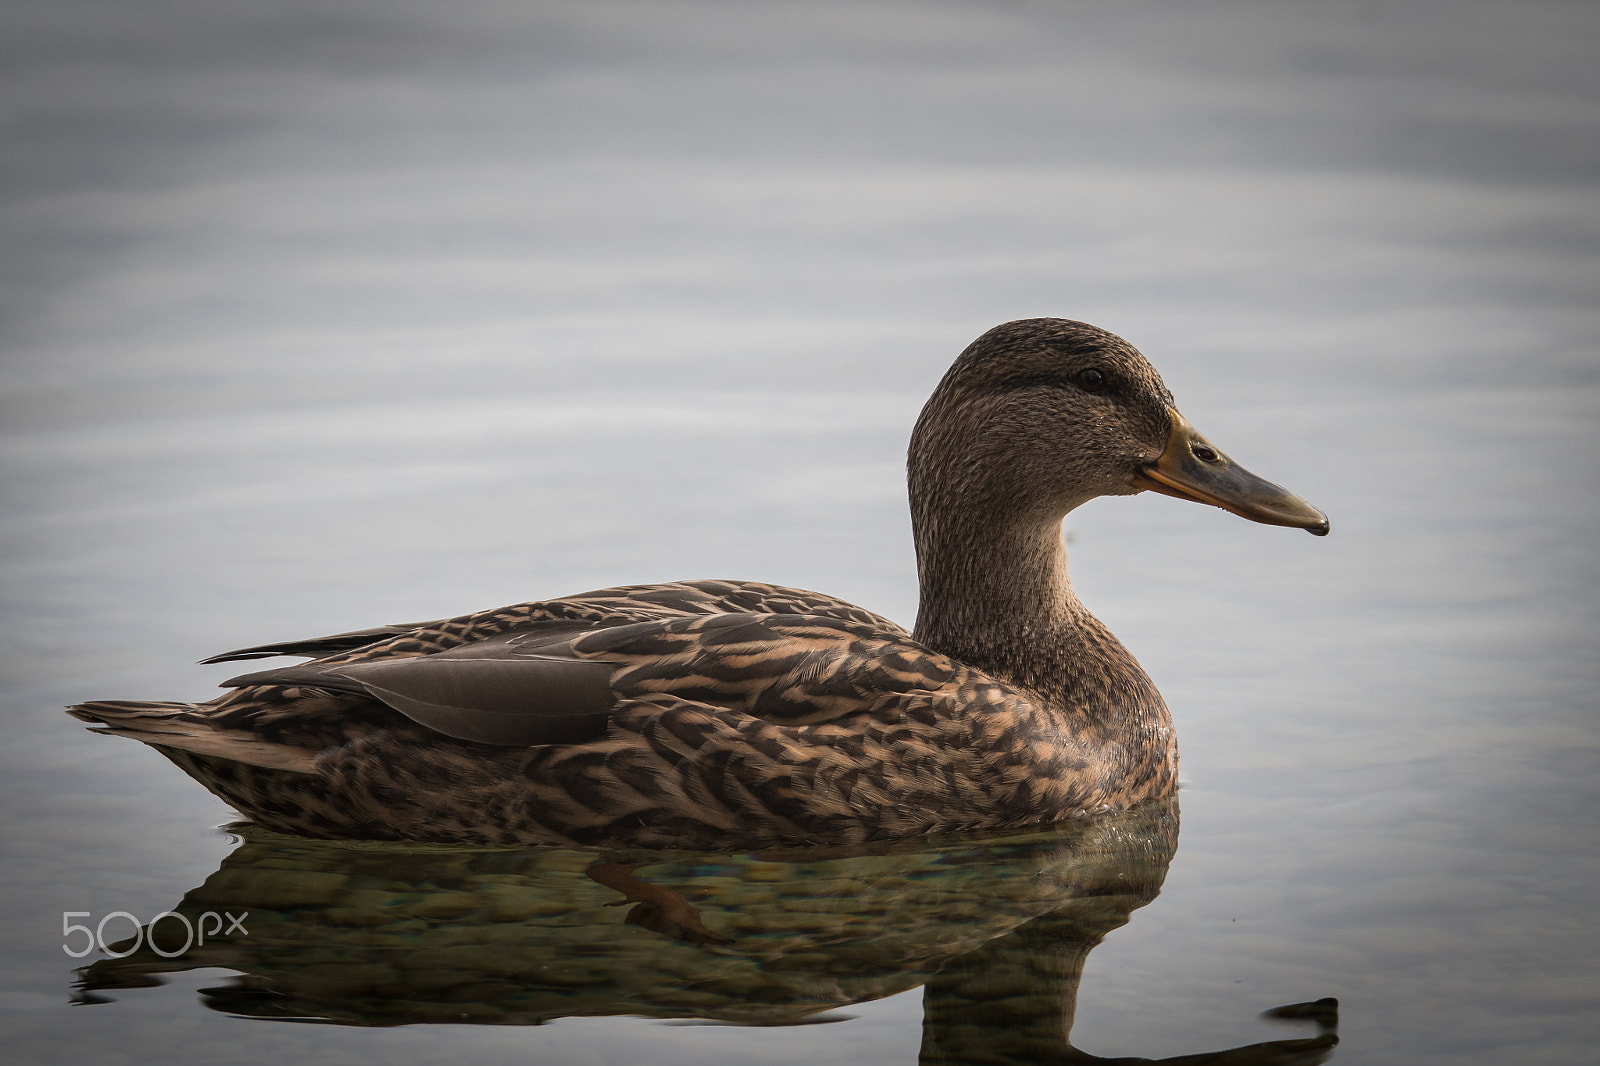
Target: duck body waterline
[{"x": 724, "y": 713}]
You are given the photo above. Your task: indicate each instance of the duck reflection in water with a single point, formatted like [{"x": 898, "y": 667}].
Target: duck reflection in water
[{"x": 995, "y": 927}]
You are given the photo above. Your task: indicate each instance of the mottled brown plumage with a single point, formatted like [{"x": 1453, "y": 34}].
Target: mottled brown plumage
[{"x": 710, "y": 713}]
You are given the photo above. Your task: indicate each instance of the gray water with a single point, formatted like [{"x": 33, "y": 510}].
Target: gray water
[{"x": 318, "y": 316}]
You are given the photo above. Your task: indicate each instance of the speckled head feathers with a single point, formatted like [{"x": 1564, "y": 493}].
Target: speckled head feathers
[{"x": 1036, "y": 417}]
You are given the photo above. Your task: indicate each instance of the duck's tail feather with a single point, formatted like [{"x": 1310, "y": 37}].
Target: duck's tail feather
[{"x": 186, "y": 727}]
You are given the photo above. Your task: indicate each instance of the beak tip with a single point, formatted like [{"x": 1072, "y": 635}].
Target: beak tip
[{"x": 1321, "y": 529}]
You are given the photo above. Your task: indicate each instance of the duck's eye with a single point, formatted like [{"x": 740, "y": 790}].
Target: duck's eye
[{"x": 1090, "y": 380}]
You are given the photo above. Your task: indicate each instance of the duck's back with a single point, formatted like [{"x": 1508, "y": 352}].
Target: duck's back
[{"x": 602, "y": 607}]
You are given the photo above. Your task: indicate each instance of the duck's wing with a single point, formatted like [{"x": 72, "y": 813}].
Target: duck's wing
[
  {"x": 558, "y": 682},
  {"x": 550, "y": 672},
  {"x": 518, "y": 688}
]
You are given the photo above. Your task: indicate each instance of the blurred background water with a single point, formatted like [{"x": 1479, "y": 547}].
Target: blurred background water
[{"x": 316, "y": 316}]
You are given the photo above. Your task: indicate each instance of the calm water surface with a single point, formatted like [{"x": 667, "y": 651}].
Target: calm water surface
[{"x": 320, "y": 317}]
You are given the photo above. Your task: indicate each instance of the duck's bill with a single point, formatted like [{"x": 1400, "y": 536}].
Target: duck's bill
[{"x": 1191, "y": 468}]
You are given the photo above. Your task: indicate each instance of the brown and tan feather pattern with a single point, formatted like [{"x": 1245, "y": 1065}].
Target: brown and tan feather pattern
[{"x": 707, "y": 713}]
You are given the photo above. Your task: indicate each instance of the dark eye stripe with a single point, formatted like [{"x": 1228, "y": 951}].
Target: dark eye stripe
[{"x": 1022, "y": 382}]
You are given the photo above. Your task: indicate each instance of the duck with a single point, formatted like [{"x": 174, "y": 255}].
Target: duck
[{"x": 737, "y": 714}]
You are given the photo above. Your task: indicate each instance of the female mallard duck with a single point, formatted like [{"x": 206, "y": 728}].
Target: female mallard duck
[{"x": 727, "y": 713}]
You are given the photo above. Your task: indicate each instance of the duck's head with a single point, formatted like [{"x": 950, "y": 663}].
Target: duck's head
[{"x": 1040, "y": 415}]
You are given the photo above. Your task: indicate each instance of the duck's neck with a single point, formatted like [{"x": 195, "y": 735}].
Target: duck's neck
[{"x": 997, "y": 596}]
